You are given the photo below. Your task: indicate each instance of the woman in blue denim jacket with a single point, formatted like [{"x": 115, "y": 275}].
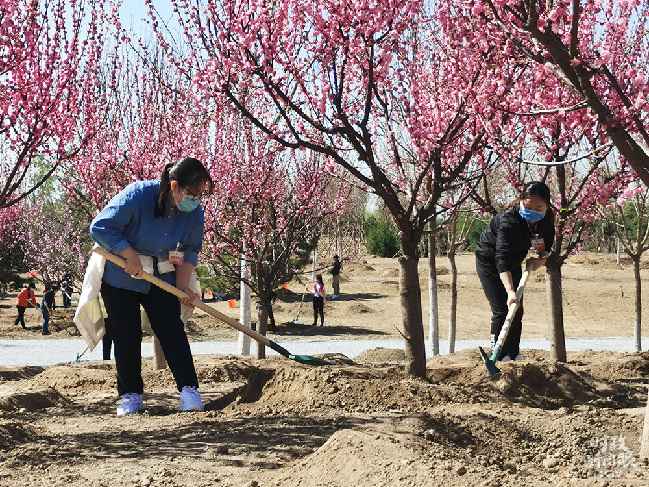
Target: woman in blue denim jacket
[{"x": 153, "y": 218}]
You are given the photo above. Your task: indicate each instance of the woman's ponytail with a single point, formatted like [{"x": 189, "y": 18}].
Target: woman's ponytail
[{"x": 165, "y": 188}]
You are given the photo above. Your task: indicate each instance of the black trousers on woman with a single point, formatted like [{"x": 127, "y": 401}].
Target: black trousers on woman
[
  {"x": 21, "y": 316},
  {"x": 497, "y": 297},
  {"x": 318, "y": 310},
  {"x": 124, "y": 326}
]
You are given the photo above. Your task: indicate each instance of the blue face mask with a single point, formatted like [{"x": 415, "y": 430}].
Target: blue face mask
[
  {"x": 530, "y": 215},
  {"x": 188, "y": 204}
]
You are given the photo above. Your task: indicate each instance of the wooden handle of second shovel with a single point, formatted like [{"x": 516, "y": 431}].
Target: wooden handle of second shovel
[{"x": 156, "y": 281}]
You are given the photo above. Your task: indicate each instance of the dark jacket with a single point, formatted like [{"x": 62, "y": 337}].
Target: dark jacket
[
  {"x": 506, "y": 241},
  {"x": 48, "y": 297}
]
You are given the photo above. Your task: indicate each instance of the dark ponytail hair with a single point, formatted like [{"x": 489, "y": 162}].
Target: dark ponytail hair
[{"x": 189, "y": 173}]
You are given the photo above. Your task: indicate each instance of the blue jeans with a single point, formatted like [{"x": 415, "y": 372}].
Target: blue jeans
[{"x": 46, "y": 320}]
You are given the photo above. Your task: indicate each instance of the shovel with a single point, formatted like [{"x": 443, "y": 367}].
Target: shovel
[
  {"x": 303, "y": 359},
  {"x": 490, "y": 361}
]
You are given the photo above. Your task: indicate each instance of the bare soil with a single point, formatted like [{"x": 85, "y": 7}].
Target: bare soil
[{"x": 363, "y": 423}]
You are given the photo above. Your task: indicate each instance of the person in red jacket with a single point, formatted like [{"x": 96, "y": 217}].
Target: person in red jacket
[{"x": 25, "y": 299}]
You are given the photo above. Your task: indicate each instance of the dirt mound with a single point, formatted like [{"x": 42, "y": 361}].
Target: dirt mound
[
  {"x": 351, "y": 457},
  {"x": 382, "y": 355},
  {"x": 29, "y": 399},
  {"x": 626, "y": 367},
  {"x": 77, "y": 380},
  {"x": 19, "y": 373},
  {"x": 360, "y": 308},
  {"x": 235, "y": 370},
  {"x": 551, "y": 386},
  {"x": 355, "y": 389},
  {"x": 13, "y": 434}
]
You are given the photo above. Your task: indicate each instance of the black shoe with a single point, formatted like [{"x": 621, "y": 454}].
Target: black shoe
[{"x": 46, "y": 333}]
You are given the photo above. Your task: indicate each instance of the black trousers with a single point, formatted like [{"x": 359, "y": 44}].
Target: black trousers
[
  {"x": 124, "y": 326},
  {"x": 497, "y": 296},
  {"x": 21, "y": 316},
  {"x": 318, "y": 309},
  {"x": 106, "y": 342}
]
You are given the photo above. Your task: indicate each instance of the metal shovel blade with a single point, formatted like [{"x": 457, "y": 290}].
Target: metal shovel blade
[{"x": 492, "y": 370}]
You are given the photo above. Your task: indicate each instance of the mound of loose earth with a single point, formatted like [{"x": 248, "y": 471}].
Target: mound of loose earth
[
  {"x": 13, "y": 398},
  {"x": 382, "y": 355},
  {"x": 19, "y": 373},
  {"x": 385, "y": 388}
]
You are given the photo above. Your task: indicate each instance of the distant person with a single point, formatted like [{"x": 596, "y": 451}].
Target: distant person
[
  {"x": 46, "y": 306},
  {"x": 25, "y": 299},
  {"x": 66, "y": 290},
  {"x": 319, "y": 296},
  {"x": 336, "y": 267},
  {"x": 501, "y": 250}
]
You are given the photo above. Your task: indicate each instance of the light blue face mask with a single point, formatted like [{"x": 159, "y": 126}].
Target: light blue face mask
[
  {"x": 530, "y": 215},
  {"x": 189, "y": 204}
]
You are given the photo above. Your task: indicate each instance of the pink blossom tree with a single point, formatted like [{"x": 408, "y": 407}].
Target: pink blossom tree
[
  {"x": 148, "y": 118},
  {"x": 266, "y": 202},
  {"x": 11, "y": 245},
  {"x": 368, "y": 85},
  {"x": 55, "y": 241},
  {"x": 598, "y": 50},
  {"x": 49, "y": 60}
]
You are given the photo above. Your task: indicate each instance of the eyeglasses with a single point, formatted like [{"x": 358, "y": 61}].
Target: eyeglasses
[{"x": 195, "y": 195}]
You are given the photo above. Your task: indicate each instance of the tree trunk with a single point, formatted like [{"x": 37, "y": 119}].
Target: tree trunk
[
  {"x": 244, "y": 311},
  {"x": 159, "y": 360},
  {"x": 638, "y": 304},
  {"x": 618, "y": 252},
  {"x": 452, "y": 319},
  {"x": 433, "y": 306},
  {"x": 410, "y": 297},
  {"x": 262, "y": 316},
  {"x": 555, "y": 303}
]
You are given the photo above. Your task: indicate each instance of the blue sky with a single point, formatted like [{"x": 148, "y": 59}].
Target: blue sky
[{"x": 133, "y": 14}]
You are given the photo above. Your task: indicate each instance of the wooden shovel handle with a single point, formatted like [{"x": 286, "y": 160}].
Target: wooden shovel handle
[{"x": 156, "y": 281}]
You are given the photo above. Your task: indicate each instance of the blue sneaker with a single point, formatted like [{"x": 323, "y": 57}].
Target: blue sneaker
[
  {"x": 190, "y": 399},
  {"x": 130, "y": 403}
]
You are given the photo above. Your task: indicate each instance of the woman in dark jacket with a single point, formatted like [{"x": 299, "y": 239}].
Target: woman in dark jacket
[{"x": 502, "y": 248}]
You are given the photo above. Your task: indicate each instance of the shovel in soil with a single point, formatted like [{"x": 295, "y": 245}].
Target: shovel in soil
[
  {"x": 303, "y": 359},
  {"x": 490, "y": 360}
]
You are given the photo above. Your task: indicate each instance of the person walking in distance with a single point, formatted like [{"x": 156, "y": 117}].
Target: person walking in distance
[
  {"x": 319, "y": 296},
  {"x": 336, "y": 267},
  {"x": 25, "y": 299},
  {"x": 47, "y": 305}
]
